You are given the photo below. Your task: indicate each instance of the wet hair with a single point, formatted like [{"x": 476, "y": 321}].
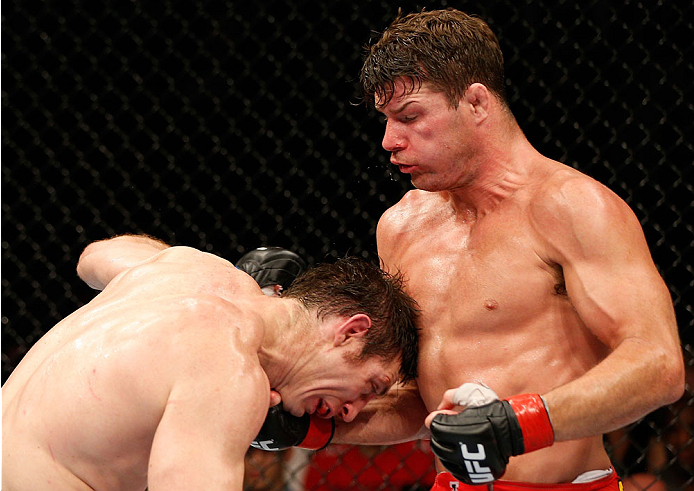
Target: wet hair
[
  {"x": 447, "y": 48},
  {"x": 353, "y": 286}
]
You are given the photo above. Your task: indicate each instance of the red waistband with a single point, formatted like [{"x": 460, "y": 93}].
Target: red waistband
[{"x": 446, "y": 482}]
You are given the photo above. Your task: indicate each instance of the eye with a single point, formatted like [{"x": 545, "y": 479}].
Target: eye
[{"x": 408, "y": 119}]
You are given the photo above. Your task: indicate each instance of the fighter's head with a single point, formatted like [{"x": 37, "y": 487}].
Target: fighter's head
[
  {"x": 448, "y": 49},
  {"x": 353, "y": 287}
]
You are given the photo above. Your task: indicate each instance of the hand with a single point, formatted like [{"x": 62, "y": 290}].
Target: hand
[
  {"x": 275, "y": 397},
  {"x": 467, "y": 395},
  {"x": 475, "y": 444},
  {"x": 283, "y": 430}
]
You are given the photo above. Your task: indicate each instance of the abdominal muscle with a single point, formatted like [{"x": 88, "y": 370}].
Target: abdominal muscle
[{"x": 524, "y": 359}]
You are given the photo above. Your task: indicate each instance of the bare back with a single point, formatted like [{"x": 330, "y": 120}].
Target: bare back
[
  {"x": 494, "y": 310},
  {"x": 164, "y": 343}
]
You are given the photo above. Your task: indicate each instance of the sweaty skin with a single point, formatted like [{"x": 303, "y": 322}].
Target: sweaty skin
[
  {"x": 163, "y": 380},
  {"x": 141, "y": 352},
  {"x": 531, "y": 278}
]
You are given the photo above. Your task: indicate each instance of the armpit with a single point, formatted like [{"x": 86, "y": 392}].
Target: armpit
[{"x": 560, "y": 283}]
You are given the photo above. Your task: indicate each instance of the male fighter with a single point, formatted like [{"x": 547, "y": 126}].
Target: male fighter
[
  {"x": 274, "y": 269},
  {"x": 535, "y": 281},
  {"x": 165, "y": 377}
]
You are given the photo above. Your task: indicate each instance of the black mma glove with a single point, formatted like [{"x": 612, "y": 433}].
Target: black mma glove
[
  {"x": 475, "y": 445},
  {"x": 282, "y": 430},
  {"x": 271, "y": 266}
]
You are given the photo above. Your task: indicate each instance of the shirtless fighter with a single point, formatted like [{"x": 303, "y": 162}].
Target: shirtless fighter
[
  {"x": 165, "y": 377},
  {"x": 534, "y": 280}
]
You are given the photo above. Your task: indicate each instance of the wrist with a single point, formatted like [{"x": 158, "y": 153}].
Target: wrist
[{"x": 533, "y": 419}]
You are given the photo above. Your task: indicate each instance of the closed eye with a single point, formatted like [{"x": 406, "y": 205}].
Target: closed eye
[{"x": 379, "y": 391}]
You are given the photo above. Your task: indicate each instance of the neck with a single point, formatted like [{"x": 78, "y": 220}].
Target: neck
[
  {"x": 500, "y": 170},
  {"x": 288, "y": 339}
]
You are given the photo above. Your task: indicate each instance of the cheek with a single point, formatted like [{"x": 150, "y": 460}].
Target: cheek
[{"x": 438, "y": 138}]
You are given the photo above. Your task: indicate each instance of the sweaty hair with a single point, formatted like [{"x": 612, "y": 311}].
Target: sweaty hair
[
  {"x": 353, "y": 286},
  {"x": 447, "y": 48}
]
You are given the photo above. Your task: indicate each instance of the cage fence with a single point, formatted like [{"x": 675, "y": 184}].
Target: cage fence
[{"x": 228, "y": 125}]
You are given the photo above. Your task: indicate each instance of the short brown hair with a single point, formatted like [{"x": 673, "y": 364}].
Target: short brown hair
[
  {"x": 447, "y": 48},
  {"x": 353, "y": 286}
]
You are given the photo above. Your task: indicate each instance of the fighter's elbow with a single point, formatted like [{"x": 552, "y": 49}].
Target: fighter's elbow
[
  {"x": 677, "y": 386},
  {"x": 87, "y": 266},
  {"x": 671, "y": 374},
  {"x": 83, "y": 261}
]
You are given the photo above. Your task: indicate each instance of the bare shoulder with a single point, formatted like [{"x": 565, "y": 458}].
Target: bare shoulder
[
  {"x": 184, "y": 254},
  {"x": 219, "y": 390},
  {"x": 567, "y": 207},
  {"x": 216, "y": 310},
  {"x": 415, "y": 200},
  {"x": 215, "y": 324},
  {"x": 412, "y": 209},
  {"x": 219, "y": 352}
]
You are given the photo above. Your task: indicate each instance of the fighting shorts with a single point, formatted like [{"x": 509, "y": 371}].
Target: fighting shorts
[{"x": 446, "y": 482}]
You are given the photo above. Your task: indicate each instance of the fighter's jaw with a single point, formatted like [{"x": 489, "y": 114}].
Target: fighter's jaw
[{"x": 318, "y": 406}]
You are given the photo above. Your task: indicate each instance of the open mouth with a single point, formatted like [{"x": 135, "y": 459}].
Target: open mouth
[
  {"x": 404, "y": 168},
  {"x": 323, "y": 410}
]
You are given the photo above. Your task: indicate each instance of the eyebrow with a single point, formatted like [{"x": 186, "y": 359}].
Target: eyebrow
[{"x": 400, "y": 109}]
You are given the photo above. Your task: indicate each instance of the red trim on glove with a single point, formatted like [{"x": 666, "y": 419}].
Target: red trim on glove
[
  {"x": 533, "y": 420},
  {"x": 320, "y": 432}
]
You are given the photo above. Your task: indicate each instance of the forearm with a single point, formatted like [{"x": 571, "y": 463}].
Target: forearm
[
  {"x": 635, "y": 379},
  {"x": 103, "y": 260},
  {"x": 397, "y": 417}
]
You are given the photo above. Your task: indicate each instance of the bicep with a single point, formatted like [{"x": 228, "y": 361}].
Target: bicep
[
  {"x": 205, "y": 432},
  {"x": 610, "y": 276}
]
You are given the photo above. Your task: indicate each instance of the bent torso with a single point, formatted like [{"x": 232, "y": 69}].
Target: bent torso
[
  {"x": 81, "y": 410},
  {"x": 493, "y": 312}
]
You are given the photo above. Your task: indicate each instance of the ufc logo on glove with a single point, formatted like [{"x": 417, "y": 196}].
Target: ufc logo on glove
[
  {"x": 478, "y": 474},
  {"x": 265, "y": 445},
  {"x": 475, "y": 444}
]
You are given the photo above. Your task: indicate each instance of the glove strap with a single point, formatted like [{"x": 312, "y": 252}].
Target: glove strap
[
  {"x": 320, "y": 432},
  {"x": 533, "y": 419}
]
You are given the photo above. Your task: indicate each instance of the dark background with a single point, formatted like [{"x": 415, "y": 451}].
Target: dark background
[{"x": 230, "y": 125}]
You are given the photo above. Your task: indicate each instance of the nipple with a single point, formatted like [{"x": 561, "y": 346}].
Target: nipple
[{"x": 491, "y": 304}]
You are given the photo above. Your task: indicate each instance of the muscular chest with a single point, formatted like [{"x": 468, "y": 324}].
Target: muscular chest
[
  {"x": 474, "y": 280},
  {"x": 486, "y": 296}
]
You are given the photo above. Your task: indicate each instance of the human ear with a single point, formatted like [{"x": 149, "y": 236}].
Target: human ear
[
  {"x": 478, "y": 98},
  {"x": 354, "y": 327}
]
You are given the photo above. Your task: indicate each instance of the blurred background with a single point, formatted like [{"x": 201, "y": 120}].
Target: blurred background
[{"x": 230, "y": 125}]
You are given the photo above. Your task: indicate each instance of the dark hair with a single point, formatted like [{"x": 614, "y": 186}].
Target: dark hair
[
  {"x": 353, "y": 286},
  {"x": 447, "y": 48}
]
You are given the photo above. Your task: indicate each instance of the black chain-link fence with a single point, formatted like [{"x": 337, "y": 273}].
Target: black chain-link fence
[{"x": 230, "y": 125}]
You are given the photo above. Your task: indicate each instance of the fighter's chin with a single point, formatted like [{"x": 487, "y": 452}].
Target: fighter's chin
[
  {"x": 423, "y": 184},
  {"x": 294, "y": 410}
]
